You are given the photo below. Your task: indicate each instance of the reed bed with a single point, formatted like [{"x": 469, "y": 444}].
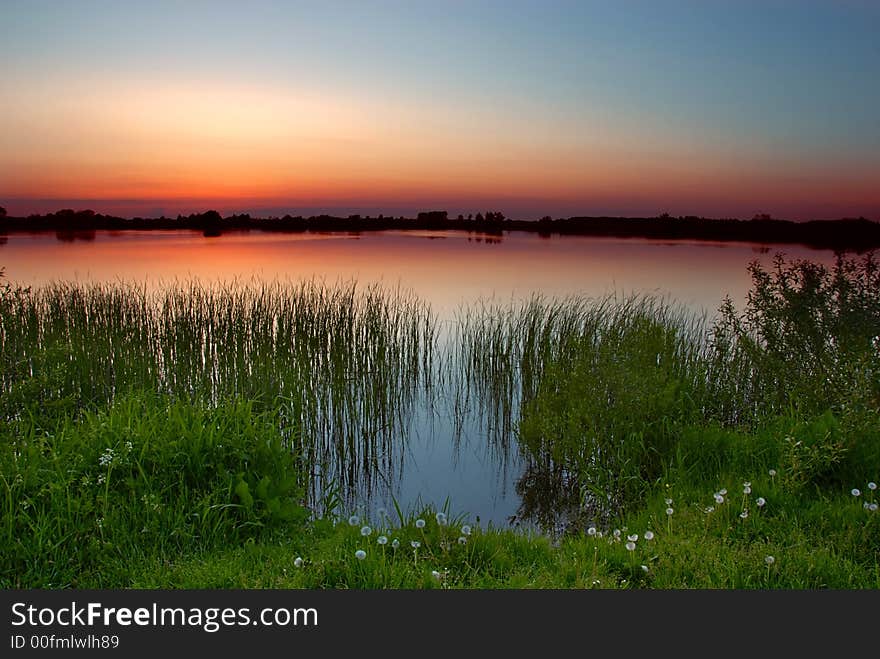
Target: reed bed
[{"x": 344, "y": 364}]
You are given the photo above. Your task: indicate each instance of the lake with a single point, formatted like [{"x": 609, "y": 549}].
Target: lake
[{"x": 437, "y": 459}]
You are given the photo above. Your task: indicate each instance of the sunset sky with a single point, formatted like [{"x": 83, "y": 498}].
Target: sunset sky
[{"x": 722, "y": 109}]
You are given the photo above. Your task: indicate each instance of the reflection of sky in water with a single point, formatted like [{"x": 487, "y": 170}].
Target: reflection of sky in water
[{"x": 447, "y": 270}]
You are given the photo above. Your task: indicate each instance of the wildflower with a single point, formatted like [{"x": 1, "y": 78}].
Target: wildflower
[
  {"x": 719, "y": 498},
  {"x": 747, "y": 489},
  {"x": 668, "y": 502},
  {"x": 466, "y": 530},
  {"x": 744, "y": 514},
  {"x": 856, "y": 492},
  {"x": 772, "y": 473},
  {"x": 382, "y": 540},
  {"x": 669, "y": 511},
  {"x": 644, "y": 568},
  {"x": 298, "y": 561},
  {"x": 769, "y": 560},
  {"x": 106, "y": 458},
  {"x": 462, "y": 540},
  {"x": 649, "y": 535},
  {"x": 633, "y": 538},
  {"x": 630, "y": 546},
  {"x": 723, "y": 491},
  {"x": 760, "y": 502},
  {"x": 360, "y": 554},
  {"x": 101, "y": 479},
  {"x": 710, "y": 509},
  {"x": 591, "y": 530},
  {"x": 866, "y": 505},
  {"x": 420, "y": 523},
  {"x": 616, "y": 533},
  {"x": 872, "y": 486},
  {"x": 415, "y": 544},
  {"x": 354, "y": 520},
  {"x": 441, "y": 519},
  {"x": 395, "y": 543},
  {"x": 128, "y": 446},
  {"x": 100, "y": 522},
  {"x": 747, "y": 484},
  {"x": 366, "y": 530}
]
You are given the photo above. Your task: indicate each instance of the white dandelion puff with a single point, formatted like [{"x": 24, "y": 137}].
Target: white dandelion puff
[
  {"x": 769, "y": 560},
  {"x": 772, "y": 473},
  {"x": 649, "y": 535},
  {"x": 420, "y": 523},
  {"x": 630, "y": 546},
  {"x": 360, "y": 554},
  {"x": 462, "y": 540},
  {"x": 633, "y": 538},
  {"x": 395, "y": 543},
  {"x": 591, "y": 530},
  {"x": 415, "y": 544},
  {"x": 382, "y": 540},
  {"x": 298, "y": 561},
  {"x": 760, "y": 502},
  {"x": 719, "y": 498},
  {"x": 744, "y": 514},
  {"x": 441, "y": 519},
  {"x": 872, "y": 485},
  {"x": 366, "y": 530},
  {"x": 856, "y": 492},
  {"x": 354, "y": 520},
  {"x": 669, "y": 511}
]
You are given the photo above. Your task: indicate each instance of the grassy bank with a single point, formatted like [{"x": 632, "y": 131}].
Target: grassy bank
[{"x": 188, "y": 438}]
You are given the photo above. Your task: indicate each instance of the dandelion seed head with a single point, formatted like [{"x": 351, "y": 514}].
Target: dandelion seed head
[
  {"x": 298, "y": 561},
  {"x": 872, "y": 486},
  {"x": 772, "y": 473},
  {"x": 420, "y": 523},
  {"x": 415, "y": 544},
  {"x": 366, "y": 530},
  {"x": 769, "y": 560},
  {"x": 633, "y": 538},
  {"x": 747, "y": 484},
  {"x": 441, "y": 519},
  {"x": 747, "y": 490},
  {"x": 354, "y": 520},
  {"x": 744, "y": 514},
  {"x": 669, "y": 511},
  {"x": 360, "y": 554},
  {"x": 591, "y": 530},
  {"x": 723, "y": 491},
  {"x": 462, "y": 540},
  {"x": 760, "y": 502},
  {"x": 382, "y": 540},
  {"x": 630, "y": 546},
  {"x": 395, "y": 543},
  {"x": 435, "y": 574},
  {"x": 616, "y": 533},
  {"x": 872, "y": 507},
  {"x": 649, "y": 535},
  {"x": 644, "y": 568},
  {"x": 719, "y": 498},
  {"x": 466, "y": 530},
  {"x": 856, "y": 492},
  {"x": 668, "y": 502}
]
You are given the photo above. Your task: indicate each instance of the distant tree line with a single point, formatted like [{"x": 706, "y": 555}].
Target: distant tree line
[{"x": 858, "y": 234}]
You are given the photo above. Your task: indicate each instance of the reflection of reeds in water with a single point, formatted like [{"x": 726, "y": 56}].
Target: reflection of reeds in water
[{"x": 345, "y": 363}]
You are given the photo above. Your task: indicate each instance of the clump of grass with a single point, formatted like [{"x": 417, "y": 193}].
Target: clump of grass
[{"x": 145, "y": 478}]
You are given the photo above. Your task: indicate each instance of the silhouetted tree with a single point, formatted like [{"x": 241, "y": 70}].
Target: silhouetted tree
[
  {"x": 460, "y": 217},
  {"x": 479, "y": 217},
  {"x": 2, "y": 212}
]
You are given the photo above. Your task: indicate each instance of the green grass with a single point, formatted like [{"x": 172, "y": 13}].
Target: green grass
[{"x": 205, "y": 437}]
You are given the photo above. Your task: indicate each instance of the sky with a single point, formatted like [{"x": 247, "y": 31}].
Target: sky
[{"x": 711, "y": 108}]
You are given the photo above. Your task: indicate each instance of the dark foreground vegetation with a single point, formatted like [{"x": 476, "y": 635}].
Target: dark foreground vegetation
[
  {"x": 171, "y": 439},
  {"x": 855, "y": 234}
]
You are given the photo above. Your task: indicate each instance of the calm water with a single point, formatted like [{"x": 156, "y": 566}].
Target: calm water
[{"x": 448, "y": 269}]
